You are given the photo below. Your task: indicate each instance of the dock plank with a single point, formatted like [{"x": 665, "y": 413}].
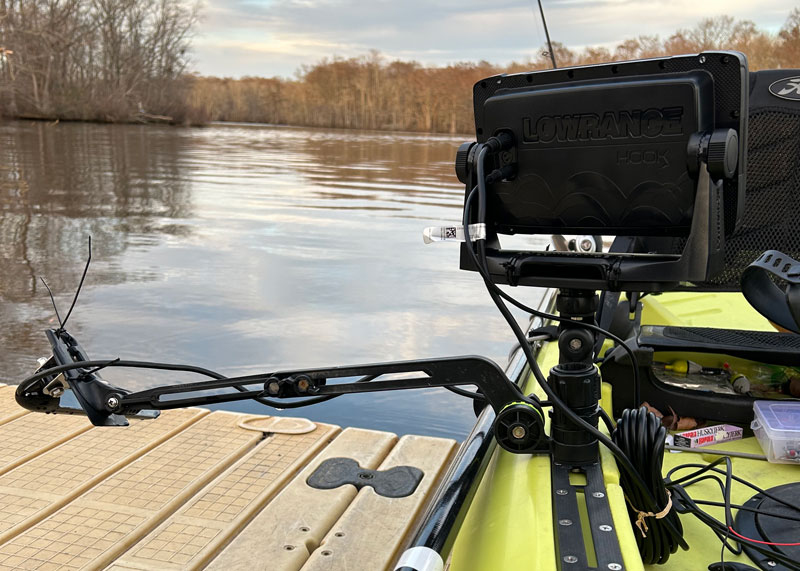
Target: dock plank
[
  {"x": 31, "y": 435},
  {"x": 370, "y": 534},
  {"x": 9, "y": 409},
  {"x": 95, "y": 528},
  {"x": 285, "y": 533},
  {"x": 37, "y": 488},
  {"x": 196, "y": 489},
  {"x": 200, "y": 528}
]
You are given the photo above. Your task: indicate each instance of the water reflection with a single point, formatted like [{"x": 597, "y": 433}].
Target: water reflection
[
  {"x": 60, "y": 184},
  {"x": 243, "y": 249}
]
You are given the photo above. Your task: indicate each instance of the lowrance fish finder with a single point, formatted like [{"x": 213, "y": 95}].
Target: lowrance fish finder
[{"x": 651, "y": 152}]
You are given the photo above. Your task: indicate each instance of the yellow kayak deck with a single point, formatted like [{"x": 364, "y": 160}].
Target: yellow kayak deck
[
  {"x": 196, "y": 489},
  {"x": 510, "y": 519}
]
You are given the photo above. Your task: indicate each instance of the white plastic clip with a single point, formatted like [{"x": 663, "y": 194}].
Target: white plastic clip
[{"x": 453, "y": 233}]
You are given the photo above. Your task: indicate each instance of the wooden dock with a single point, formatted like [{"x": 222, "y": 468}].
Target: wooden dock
[{"x": 196, "y": 489}]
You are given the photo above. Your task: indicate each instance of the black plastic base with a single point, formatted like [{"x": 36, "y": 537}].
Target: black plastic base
[{"x": 763, "y": 527}]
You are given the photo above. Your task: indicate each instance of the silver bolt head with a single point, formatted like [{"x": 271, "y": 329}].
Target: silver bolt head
[
  {"x": 570, "y": 559},
  {"x": 605, "y": 527},
  {"x": 614, "y": 566},
  {"x": 575, "y": 344},
  {"x": 598, "y": 495},
  {"x": 561, "y": 492},
  {"x": 274, "y": 387},
  {"x": 586, "y": 245},
  {"x": 112, "y": 402},
  {"x": 565, "y": 522},
  {"x": 518, "y": 432},
  {"x": 771, "y": 563}
]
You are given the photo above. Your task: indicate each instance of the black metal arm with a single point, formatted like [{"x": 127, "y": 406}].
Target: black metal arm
[
  {"x": 448, "y": 371},
  {"x": 519, "y": 425}
]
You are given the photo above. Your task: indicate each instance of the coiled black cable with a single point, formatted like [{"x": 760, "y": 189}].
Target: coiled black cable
[{"x": 640, "y": 435}]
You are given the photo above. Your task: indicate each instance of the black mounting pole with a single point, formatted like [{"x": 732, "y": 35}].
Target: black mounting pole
[
  {"x": 547, "y": 35},
  {"x": 576, "y": 380}
]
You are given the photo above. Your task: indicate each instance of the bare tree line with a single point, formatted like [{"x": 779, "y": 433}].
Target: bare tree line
[
  {"x": 114, "y": 59},
  {"x": 98, "y": 59},
  {"x": 369, "y": 92}
]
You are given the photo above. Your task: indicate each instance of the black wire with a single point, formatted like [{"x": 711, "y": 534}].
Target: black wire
[
  {"x": 747, "y": 509},
  {"x": 712, "y": 467},
  {"x": 120, "y": 363},
  {"x": 704, "y": 472},
  {"x": 606, "y": 420},
  {"x": 80, "y": 285},
  {"x": 483, "y": 270},
  {"x": 53, "y": 301},
  {"x": 649, "y": 503},
  {"x": 641, "y": 436},
  {"x": 464, "y": 393},
  {"x": 100, "y": 364},
  {"x": 100, "y": 368}
]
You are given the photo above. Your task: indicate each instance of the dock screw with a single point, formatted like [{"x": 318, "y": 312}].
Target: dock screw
[
  {"x": 565, "y": 522},
  {"x": 561, "y": 492},
  {"x": 614, "y": 566},
  {"x": 586, "y": 245},
  {"x": 112, "y": 402},
  {"x": 570, "y": 559},
  {"x": 518, "y": 432},
  {"x": 598, "y": 495},
  {"x": 575, "y": 344},
  {"x": 605, "y": 527},
  {"x": 771, "y": 563}
]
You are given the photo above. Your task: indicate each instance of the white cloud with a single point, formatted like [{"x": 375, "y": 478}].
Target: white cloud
[{"x": 275, "y": 37}]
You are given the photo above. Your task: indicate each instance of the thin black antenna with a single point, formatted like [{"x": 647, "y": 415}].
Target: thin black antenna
[
  {"x": 547, "y": 35},
  {"x": 52, "y": 299},
  {"x": 80, "y": 285}
]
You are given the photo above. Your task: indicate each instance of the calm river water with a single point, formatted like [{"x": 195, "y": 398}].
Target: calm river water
[{"x": 243, "y": 249}]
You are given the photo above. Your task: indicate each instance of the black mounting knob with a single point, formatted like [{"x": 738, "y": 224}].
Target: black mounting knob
[
  {"x": 519, "y": 428},
  {"x": 723, "y": 153},
  {"x": 464, "y": 159},
  {"x": 719, "y": 149}
]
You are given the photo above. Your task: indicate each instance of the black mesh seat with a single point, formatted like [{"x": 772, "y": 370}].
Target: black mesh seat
[{"x": 770, "y": 221}]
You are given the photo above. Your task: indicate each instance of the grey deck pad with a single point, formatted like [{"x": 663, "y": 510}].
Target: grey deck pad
[{"x": 397, "y": 482}]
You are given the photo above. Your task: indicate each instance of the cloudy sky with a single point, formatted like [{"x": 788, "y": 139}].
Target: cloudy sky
[{"x": 276, "y": 37}]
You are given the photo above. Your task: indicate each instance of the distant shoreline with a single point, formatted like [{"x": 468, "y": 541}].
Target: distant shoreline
[{"x": 243, "y": 124}]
